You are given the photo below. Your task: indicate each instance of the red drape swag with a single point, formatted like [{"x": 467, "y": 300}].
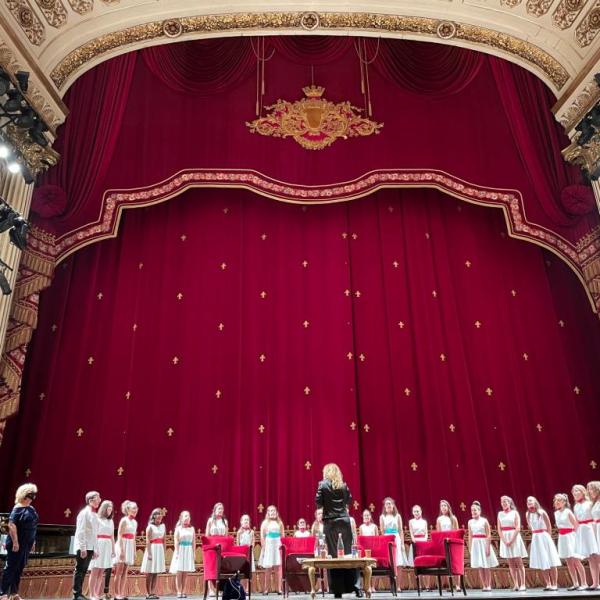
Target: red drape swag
[
  {"x": 403, "y": 335},
  {"x": 151, "y": 114}
]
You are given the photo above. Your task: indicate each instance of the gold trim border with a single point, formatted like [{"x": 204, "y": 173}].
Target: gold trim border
[
  {"x": 532, "y": 54},
  {"x": 115, "y": 201}
]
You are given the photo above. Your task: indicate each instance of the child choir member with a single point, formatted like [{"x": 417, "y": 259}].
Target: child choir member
[
  {"x": 390, "y": 523},
  {"x": 585, "y": 537},
  {"x": 417, "y": 529},
  {"x": 271, "y": 532},
  {"x": 183, "y": 561},
  {"x": 593, "y": 488},
  {"x": 512, "y": 547},
  {"x": 482, "y": 553},
  {"x": 446, "y": 520},
  {"x": 301, "y": 529},
  {"x": 153, "y": 561},
  {"x": 367, "y": 527},
  {"x": 245, "y": 537},
  {"x": 566, "y": 523},
  {"x": 542, "y": 551},
  {"x": 125, "y": 547},
  {"x": 105, "y": 549},
  {"x": 317, "y": 526}
]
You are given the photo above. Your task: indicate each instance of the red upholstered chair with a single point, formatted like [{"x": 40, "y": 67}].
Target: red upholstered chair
[
  {"x": 383, "y": 548},
  {"x": 443, "y": 555},
  {"x": 294, "y": 577},
  {"x": 222, "y": 559}
]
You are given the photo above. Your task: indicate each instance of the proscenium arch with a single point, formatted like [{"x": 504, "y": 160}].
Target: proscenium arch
[{"x": 88, "y": 51}]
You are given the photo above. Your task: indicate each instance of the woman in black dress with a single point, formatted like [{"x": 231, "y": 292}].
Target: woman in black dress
[
  {"x": 22, "y": 529},
  {"x": 334, "y": 497}
]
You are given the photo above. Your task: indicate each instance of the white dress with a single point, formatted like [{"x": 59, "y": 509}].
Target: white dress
[
  {"x": 596, "y": 517},
  {"x": 507, "y": 520},
  {"x": 444, "y": 523},
  {"x": 419, "y": 533},
  {"x": 270, "y": 556},
  {"x": 585, "y": 538},
  {"x": 566, "y": 540},
  {"x": 125, "y": 547},
  {"x": 157, "y": 545},
  {"x": 542, "y": 551},
  {"x": 390, "y": 527},
  {"x": 246, "y": 538},
  {"x": 301, "y": 534},
  {"x": 367, "y": 530},
  {"x": 479, "y": 558},
  {"x": 217, "y": 527},
  {"x": 106, "y": 536},
  {"x": 183, "y": 559}
]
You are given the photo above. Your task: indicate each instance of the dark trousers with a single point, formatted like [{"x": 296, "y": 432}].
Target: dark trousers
[
  {"x": 107, "y": 574},
  {"x": 81, "y": 567},
  {"x": 13, "y": 568},
  {"x": 341, "y": 581}
]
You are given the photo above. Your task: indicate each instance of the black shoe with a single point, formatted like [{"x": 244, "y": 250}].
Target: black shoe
[
  {"x": 358, "y": 592},
  {"x": 80, "y": 597}
]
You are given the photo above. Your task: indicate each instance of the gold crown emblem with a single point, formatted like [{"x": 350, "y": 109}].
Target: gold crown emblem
[{"x": 313, "y": 91}]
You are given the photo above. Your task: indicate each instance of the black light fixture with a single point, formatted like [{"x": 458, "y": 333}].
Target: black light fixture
[
  {"x": 36, "y": 132},
  {"x": 4, "y": 285},
  {"x": 4, "y": 82},
  {"x": 22, "y": 78},
  {"x": 15, "y": 224},
  {"x": 27, "y": 118},
  {"x": 586, "y": 131}
]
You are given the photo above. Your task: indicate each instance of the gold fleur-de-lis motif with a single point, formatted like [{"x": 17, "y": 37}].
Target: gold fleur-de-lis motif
[
  {"x": 443, "y": 357},
  {"x": 561, "y": 323},
  {"x": 349, "y": 355},
  {"x": 539, "y": 427},
  {"x": 263, "y": 294},
  {"x": 305, "y": 263},
  {"x": 223, "y": 266},
  {"x": 220, "y": 326},
  {"x": 120, "y": 471},
  {"x": 452, "y": 427},
  {"x": 261, "y": 428},
  {"x": 140, "y": 266},
  {"x": 353, "y": 426},
  {"x": 42, "y": 396},
  {"x": 307, "y": 465},
  {"x": 407, "y": 391},
  {"x": 135, "y": 327},
  {"x": 27, "y": 472},
  {"x": 260, "y": 508},
  {"x": 179, "y": 296},
  {"x": 501, "y": 466},
  {"x": 128, "y": 395},
  {"x": 468, "y": 264},
  {"x": 90, "y": 360},
  {"x": 263, "y": 237},
  {"x": 414, "y": 466},
  {"x": 347, "y": 293},
  {"x": 513, "y": 293},
  {"x": 362, "y": 357},
  {"x": 489, "y": 391},
  {"x": 462, "y": 506},
  {"x": 396, "y": 264},
  {"x": 175, "y": 360},
  {"x": 218, "y": 393},
  {"x": 427, "y": 236},
  {"x": 355, "y": 236},
  {"x": 344, "y": 235},
  {"x": 355, "y": 504},
  {"x": 577, "y": 390},
  {"x": 214, "y": 469},
  {"x": 170, "y": 432},
  {"x": 306, "y": 390},
  {"x": 478, "y": 324},
  {"x": 371, "y": 507},
  {"x": 262, "y": 358},
  {"x": 593, "y": 464},
  {"x": 183, "y": 237},
  {"x": 67, "y": 512},
  {"x": 79, "y": 432},
  {"x": 401, "y": 324},
  {"x": 358, "y": 293},
  {"x": 54, "y": 327},
  {"x": 305, "y": 324},
  {"x": 367, "y": 428},
  {"x": 525, "y": 356},
  {"x": 434, "y": 293},
  {"x": 225, "y": 210},
  {"x": 99, "y": 295}
]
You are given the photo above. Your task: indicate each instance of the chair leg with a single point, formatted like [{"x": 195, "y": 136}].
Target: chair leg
[
  {"x": 393, "y": 586},
  {"x": 250, "y": 586},
  {"x": 451, "y": 584},
  {"x": 418, "y": 584},
  {"x": 462, "y": 584},
  {"x": 217, "y": 589},
  {"x": 205, "y": 588},
  {"x": 439, "y": 578}
]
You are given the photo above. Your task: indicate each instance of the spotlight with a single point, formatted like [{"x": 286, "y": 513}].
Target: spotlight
[
  {"x": 586, "y": 132},
  {"x": 13, "y": 104},
  {"x": 4, "y": 151},
  {"x": 36, "y": 133},
  {"x": 594, "y": 116},
  {"x": 7, "y": 217},
  {"x": 22, "y": 78},
  {"x": 14, "y": 167},
  {"x": 18, "y": 234},
  {"x": 4, "y": 285},
  {"x": 27, "y": 176},
  {"x": 27, "y": 118}
]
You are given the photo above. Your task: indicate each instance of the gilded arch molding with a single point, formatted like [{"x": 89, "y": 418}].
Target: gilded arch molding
[{"x": 154, "y": 32}]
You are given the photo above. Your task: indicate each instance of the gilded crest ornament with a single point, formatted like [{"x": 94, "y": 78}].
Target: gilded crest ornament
[{"x": 314, "y": 122}]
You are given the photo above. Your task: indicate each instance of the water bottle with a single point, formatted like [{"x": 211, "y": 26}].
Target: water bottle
[
  {"x": 340, "y": 546},
  {"x": 354, "y": 550},
  {"x": 322, "y": 547}
]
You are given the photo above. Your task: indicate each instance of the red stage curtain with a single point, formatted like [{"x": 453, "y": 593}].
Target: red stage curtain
[{"x": 394, "y": 313}]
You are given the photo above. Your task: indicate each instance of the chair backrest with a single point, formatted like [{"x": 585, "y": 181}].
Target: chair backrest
[
  {"x": 378, "y": 544},
  {"x": 226, "y": 541},
  {"x": 440, "y": 536},
  {"x": 300, "y": 545}
]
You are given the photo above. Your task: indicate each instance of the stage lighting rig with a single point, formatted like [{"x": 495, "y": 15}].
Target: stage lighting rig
[
  {"x": 4, "y": 285},
  {"x": 14, "y": 223}
]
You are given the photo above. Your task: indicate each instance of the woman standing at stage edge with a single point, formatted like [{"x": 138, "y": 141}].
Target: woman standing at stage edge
[{"x": 333, "y": 496}]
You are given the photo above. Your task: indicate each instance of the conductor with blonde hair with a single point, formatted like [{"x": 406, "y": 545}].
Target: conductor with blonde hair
[
  {"x": 334, "y": 497},
  {"x": 22, "y": 529}
]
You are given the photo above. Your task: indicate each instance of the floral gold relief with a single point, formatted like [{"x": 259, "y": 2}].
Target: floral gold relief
[
  {"x": 29, "y": 22},
  {"x": 54, "y": 12},
  {"x": 566, "y": 12},
  {"x": 587, "y": 30},
  {"x": 538, "y": 8},
  {"x": 314, "y": 122},
  {"x": 426, "y": 26}
]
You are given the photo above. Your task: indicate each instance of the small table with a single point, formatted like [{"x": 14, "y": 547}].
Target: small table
[{"x": 364, "y": 564}]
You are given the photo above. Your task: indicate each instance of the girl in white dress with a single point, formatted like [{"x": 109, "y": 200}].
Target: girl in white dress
[
  {"x": 125, "y": 547},
  {"x": 585, "y": 536},
  {"x": 106, "y": 549},
  {"x": 446, "y": 520},
  {"x": 216, "y": 525},
  {"x": 566, "y": 523},
  {"x": 271, "y": 532},
  {"x": 482, "y": 552},
  {"x": 367, "y": 527},
  {"x": 183, "y": 561},
  {"x": 153, "y": 562},
  {"x": 542, "y": 552},
  {"x": 511, "y": 543},
  {"x": 245, "y": 537},
  {"x": 417, "y": 529},
  {"x": 317, "y": 526},
  {"x": 301, "y": 529},
  {"x": 593, "y": 488},
  {"x": 390, "y": 523}
]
